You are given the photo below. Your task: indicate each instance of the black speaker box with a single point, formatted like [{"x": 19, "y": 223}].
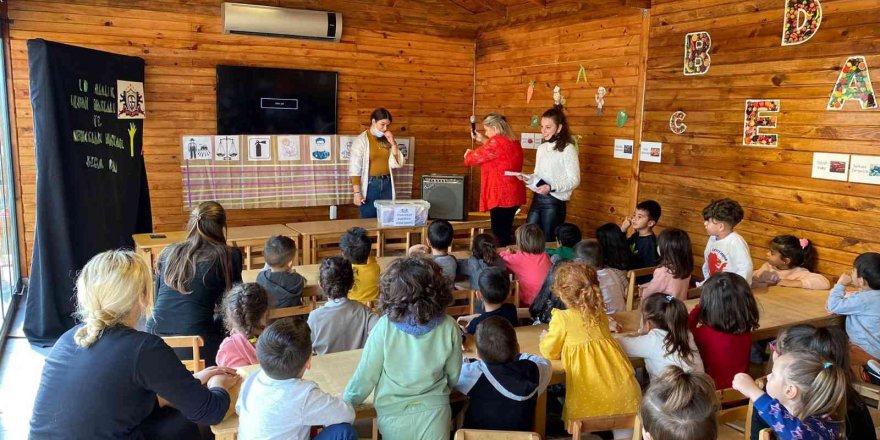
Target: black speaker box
[{"x": 447, "y": 195}]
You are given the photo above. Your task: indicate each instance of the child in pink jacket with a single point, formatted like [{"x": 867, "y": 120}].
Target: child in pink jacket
[{"x": 530, "y": 263}]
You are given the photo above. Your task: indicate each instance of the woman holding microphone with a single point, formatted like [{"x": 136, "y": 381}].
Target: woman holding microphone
[{"x": 501, "y": 195}]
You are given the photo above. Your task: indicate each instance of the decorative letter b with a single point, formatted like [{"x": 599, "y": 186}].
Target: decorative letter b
[{"x": 696, "y": 53}]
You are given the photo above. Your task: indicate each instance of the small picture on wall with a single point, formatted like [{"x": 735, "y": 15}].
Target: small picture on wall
[
  {"x": 197, "y": 147},
  {"x": 623, "y": 149},
  {"x": 865, "y": 169},
  {"x": 227, "y": 147},
  {"x": 288, "y": 148},
  {"x": 259, "y": 148},
  {"x": 651, "y": 152},
  {"x": 345, "y": 143},
  {"x": 830, "y": 166},
  {"x": 319, "y": 148}
]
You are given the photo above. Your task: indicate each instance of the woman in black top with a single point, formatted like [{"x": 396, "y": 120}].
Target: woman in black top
[
  {"x": 102, "y": 378},
  {"x": 191, "y": 279}
]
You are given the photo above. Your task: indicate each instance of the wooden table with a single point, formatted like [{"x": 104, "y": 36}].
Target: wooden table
[
  {"x": 149, "y": 246},
  {"x": 335, "y": 228},
  {"x": 312, "y": 271},
  {"x": 779, "y": 307}
]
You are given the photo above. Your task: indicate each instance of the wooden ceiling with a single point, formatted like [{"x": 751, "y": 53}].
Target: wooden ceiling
[{"x": 496, "y": 6}]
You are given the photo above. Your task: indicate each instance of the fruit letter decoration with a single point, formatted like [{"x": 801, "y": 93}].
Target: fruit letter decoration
[{"x": 756, "y": 119}]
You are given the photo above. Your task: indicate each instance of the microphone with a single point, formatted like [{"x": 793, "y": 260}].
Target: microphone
[{"x": 473, "y": 124}]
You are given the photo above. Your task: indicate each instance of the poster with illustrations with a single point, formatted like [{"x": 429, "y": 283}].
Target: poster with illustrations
[
  {"x": 288, "y": 148},
  {"x": 319, "y": 148},
  {"x": 865, "y": 169},
  {"x": 197, "y": 147},
  {"x": 345, "y": 143},
  {"x": 130, "y": 101},
  {"x": 259, "y": 147},
  {"x": 227, "y": 147},
  {"x": 830, "y": 166}
]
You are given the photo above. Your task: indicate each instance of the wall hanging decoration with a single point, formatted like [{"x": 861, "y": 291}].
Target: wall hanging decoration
[
  {"x": 756, "y": 118},
  {"x": 854, "y": 82},
  {"x": 650, "y": 152},
  {"x": 865, "y": 169},
  {"x": 801, "y": 21},
  {"x": 830, "y": 166},
  {"x": 696, "y": 53},
  {"x": 530, "y": 91},
  {"x": 623, "y": 148},
  {"x": 676, "y": 122},
  {"x": 582, "y": 73},
  {"x": 558, "y": 99},
  {"x": 600, "y": 100},
  {"x": 536, "y": 122},
  {"x": 621, "y": 118}
]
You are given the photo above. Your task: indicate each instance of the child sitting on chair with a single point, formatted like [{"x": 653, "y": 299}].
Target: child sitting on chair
[
  {"x": 245, "y": 309},
  {"x": 440, "y": 235},
  {"x": 356, "y": 247},
  {"x": 503, "y": 385},
  {"x": 340, "y": 324},
  {"x": 276, "y": 402},
  {"x": 493, "y": 288},
  {"x": 282, "y": 283}
]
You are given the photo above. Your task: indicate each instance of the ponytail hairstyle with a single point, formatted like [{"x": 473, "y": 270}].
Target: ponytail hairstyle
[
  {"x": 245, "y": 308},
  {"x": 109, "y": 288},
  {"x": 668, "y": 313},
  {"x": 821, "y": 382},
  {"x": 499, "y": 123},
  {"x": 680, "y": 406},
  {"x": 205, "y": 242},
  {"x": 563, "y": 138},
  {"x": 798, "y": 251},
  {"x": 379, "y": 114},
  {"x": 831, "y": 343},
  {"x": 676, "y": 254},
  {"x": 728, "y": 305},
  {"x": 484, "y": 248},
  {"x": 615, "y": 252},
  {"x": 577, "y": 285}
]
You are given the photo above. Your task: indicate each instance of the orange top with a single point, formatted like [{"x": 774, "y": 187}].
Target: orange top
[{"x": 378, "y": 160}]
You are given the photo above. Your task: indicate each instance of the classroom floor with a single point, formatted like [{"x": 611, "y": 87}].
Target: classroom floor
[{"x": 20, "y": 370}]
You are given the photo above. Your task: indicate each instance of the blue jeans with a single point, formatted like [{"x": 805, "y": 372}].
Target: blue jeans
[
  {"x": 378, "y": 188},
  {"x": 339, "y": 431}
]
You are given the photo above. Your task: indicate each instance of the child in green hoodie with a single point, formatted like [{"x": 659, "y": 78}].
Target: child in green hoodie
[{"x": 412, "y": 358}]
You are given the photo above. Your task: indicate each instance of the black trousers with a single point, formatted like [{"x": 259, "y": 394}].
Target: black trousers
[
  {"x": 547, "y": 212},
  {"x": 502, "y": 224}
]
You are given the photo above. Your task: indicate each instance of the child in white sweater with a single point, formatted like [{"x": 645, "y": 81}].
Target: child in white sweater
[{"x": 726, "y": 250}]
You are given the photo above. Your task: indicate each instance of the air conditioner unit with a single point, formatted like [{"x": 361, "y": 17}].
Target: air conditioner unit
[{"x": 269, "y": 21}]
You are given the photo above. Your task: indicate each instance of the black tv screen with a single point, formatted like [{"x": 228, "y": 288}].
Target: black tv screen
[{"x": 259, "y": 100}]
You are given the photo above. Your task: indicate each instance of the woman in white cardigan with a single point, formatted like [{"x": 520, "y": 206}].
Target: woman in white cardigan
[
  {"x": 557, "y": 164},
  {"x": 372, "y": 177}
]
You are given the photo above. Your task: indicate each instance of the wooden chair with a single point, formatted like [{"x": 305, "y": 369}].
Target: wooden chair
[
  {"x": 309, "y": 305},
  {"x": 396, "y": 241},
  {"x": 459, "y": 309},
  {"x": 766, "y": 434},
  {"x": 631, "y": 279},
  {"x": 871, "y": 395},
  {"x": 325, "y": 245},
  {"x": 195, "y": 343},
  {"x": 482, "y": 434},
  {"x": 604, "y": 423},
  {"x": 253, "y": 252},
  {"x": 736, "y": 422}
]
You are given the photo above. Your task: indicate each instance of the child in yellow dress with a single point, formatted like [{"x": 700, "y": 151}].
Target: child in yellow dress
[{"x": 599, "y": 379}]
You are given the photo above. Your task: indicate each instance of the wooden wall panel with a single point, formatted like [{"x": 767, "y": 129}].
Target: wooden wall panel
[
  {"x": 550, "y": 48},
  {"x": 409, "y": 58},
  {"x": 773, "y": 184}
]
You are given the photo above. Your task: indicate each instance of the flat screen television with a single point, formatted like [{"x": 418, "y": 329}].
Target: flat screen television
[{"x": 260, "y": 100}]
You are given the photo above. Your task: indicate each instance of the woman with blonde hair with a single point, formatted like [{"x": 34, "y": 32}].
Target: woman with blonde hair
[
  {"x": 102, "y": 378},
  {"x": 500, "y": 194},
  {"x": 191, "y": 278}
]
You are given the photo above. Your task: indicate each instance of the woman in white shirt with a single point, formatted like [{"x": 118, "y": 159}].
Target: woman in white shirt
[
  {"x": 558, "y": 166},
  {"x": 371, "y": 174}
]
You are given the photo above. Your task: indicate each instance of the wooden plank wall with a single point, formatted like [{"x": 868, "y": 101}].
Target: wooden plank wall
[
  {"x": 417, "y": 63},
  {"x": 772, "y": 184},
  {"x": 549, "y": 46}
]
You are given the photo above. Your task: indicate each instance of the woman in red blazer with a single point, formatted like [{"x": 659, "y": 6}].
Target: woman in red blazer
[{"x": 499, "y": 194}]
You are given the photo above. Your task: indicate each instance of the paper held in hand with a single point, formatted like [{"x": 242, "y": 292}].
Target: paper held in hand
[{"x": 532, "y": 181}]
